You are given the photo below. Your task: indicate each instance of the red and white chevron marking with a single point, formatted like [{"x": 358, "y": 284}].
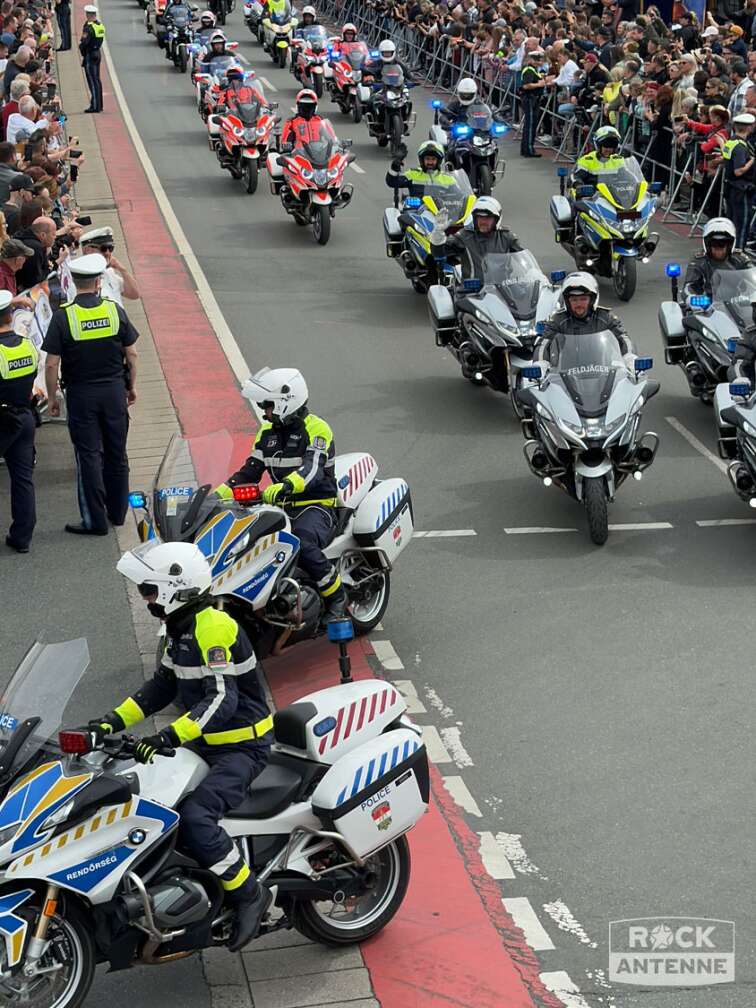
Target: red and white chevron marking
[
  {"x": 356, "y": 715},
  {"x": 358, "y": 473}
]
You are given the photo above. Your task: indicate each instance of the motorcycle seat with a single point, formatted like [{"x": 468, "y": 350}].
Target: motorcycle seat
[
  {"x": 284, "y": 780},
  {"x": 730, "y": 416}
]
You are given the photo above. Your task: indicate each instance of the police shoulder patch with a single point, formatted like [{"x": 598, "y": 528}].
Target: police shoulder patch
[
  {"x": 319, "y": 443},
  {"x": 216, "y": 658}
]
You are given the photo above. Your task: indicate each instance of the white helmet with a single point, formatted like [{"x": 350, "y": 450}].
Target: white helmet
[
  {"x": 309, "y": 10},
  {"x": 217, "y": 36},
  {"x": 486, "y": 205},
  {"x": 349, "y": 27},
  {"x": 580, "y": 283},
  {"x": 207, "y": 18},
  {"x": 176, "y": 572},
  {"x": 719, "y": 227},
  {"x": 387, "y": 49},
  {"x": 467, "y": 91},
  {"x": 284, "y": 388}
]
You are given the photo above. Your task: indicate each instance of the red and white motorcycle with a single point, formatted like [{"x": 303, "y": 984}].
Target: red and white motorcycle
[
  {"x": 310, "y": 182},
  {"x": 243, "y": 139}
]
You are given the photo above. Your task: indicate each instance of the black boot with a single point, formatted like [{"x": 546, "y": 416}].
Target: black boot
[
  {"x": 335, "y": 605},
  {"x": 251, "y": 906}
]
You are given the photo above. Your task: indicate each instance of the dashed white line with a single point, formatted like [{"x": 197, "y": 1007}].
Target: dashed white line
[
  {"x": 453, "y": 742},
  {"x": 435, "y": 748},
  {"x": 461, "y": 795},
  {"x": 384, "y": 651},
  {"x": 526, "y": 919},
  {"x": 511, "y": 844},
  {"x": 493, "y": 857},
  {"x": 414, "y": 704},
  {"x": 640, "y": 527},
  {"x": 435, "y": 701},
  {"x": 535, "y": 530},
  {"x": 695, "y": 443},
  {"x": 266, "y": 83},
  {"x": 560, "y": 984},
  {"x": 356, "y": 168},
  {"x": 720, "y": 522},
  {"x": 444, "y": 534},
  {"x": 566, "y": 921}
]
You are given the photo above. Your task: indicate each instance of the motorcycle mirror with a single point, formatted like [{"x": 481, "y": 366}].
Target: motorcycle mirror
[
  {"x": 137, "y": 499},
  {"x": 643, "y": 364},
  {"x": 346, "y": 144}
]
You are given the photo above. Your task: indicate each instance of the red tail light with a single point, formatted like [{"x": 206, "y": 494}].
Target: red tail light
[
  {"x": 75, "y": 742},
  {"x": 247, "y": 493}
]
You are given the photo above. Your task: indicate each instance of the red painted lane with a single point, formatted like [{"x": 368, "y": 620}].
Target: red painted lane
[{"x": 452, "y": 944}]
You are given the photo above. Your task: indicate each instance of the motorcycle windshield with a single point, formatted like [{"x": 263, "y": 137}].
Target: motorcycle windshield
[
  {"x": 356, "y": 54},
  {"x": 220, "y": 64},
  {"x": 479, "y": 117},
  {"x": 587, "y": 364},
  {"x": 39, "y": 689},
  {"x": 393, "y": 78},
  {"x": 318, "y": 152},
  {"x": 248, "y": 112},
  {"x": 452, "y": 198},
  {"x": 518, "y": 278},
  {"x": 316, "y": 34},
  {"x": 281, "y": 16},
  {"x": 182, "y": 498},
  {"x": 623, "y": 184},
  {"x": 736, "y": 289},
  {"x": 180, "y": 16}
]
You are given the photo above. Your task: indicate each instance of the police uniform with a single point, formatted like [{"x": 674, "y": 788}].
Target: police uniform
[
  {"x": 209, "y": 669},
  {"x": 18, "y": 369},
  {"x": 737, "y": 152},
  {"x": 111, "y": 284},
  {"x": 302, "y": 453},
  {"x": 90, "y": 335},
  {"x": 531, "y": 101},
  {"x": 414, "y": 180},
  {"x": 564, "y": 323},
  {"x": 90, "y": 44},
  {"x": 702, "y": 267},
  {"x": 590, "y": 166}
]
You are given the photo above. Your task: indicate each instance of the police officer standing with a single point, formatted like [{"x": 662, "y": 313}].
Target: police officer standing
[
  {"x": 739, "y": 157},
  {"x": 93, "y": 340},
  {"x": 90, "y": 44},
  {"x": 18, "y": 369},
  {"x": 531, "y": 90}
]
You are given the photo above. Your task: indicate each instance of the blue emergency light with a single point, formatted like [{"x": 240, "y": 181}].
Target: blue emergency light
[
  {"x": 740, "y": 390},
  {"x": 375, "y": 54},
  {"x": 473, "y": 285},
  {"x": 460, "y": 130},
  {"x": 437, "y": 103},
  {"x": 673, "y": 269},
  {"x": 643, "y": 364},
  {"x": 413, "y": 202},
  {"x": 540, "y": 328},
  {"x": 531, "y": 373},
  {"x": 700, "y": 301},
  {"x": 137, "y": 499},
  {"x": 732, "y": 345},
  {"x": 499, "y": 129},
  {"x": 557, "y": 276},
  {"x": 340, "y": 630},
  {"x": 563, "y": 172}
]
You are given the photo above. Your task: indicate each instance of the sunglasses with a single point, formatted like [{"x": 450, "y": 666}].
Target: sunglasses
[{"x": 106, "y": 248}]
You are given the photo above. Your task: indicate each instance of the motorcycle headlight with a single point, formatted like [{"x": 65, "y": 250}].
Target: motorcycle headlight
[
  {"x": 8, "y": 833},
  {"x": 393, "y": 95},
  {"x": 239, "y": 548},
  {"x": 628, "y": 226},
  {"x": 570, "y": 427},
  {"x": 58, "y": 816},
  {"x": 332, "y": 173},
  {"x": 261, "y": 130},
  {"x": 321, "y": 176},
  {"x": 250, "y": 134},
  {"x": 356, "y": 75},
  {"x": 306, "y": 173},
  {"x": 480, "y": 141}
]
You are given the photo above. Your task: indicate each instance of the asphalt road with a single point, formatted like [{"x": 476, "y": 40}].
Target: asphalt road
[{"x": 603, "y": 692}]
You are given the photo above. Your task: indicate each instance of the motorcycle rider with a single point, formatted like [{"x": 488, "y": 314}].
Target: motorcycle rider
[
  {"x": 206, "y": 27},
  {"x": 296, "y": 448},
  {"x": 602, "y": 159},
  {"x": 581, "y": 315},
  {"x": 464, "y": 96},
  {"x": 309, "y": 18},
  {"x": 208, "y": 667},
  {"x": 305, "y": 127},
  {"x": 430, "y": 156},
  {"x": 215, "y": 50},
  {"x": 388, "y": 59},
  {"x": 471, "y": 245},
  {"x": 341, "y": 47},
  {"x": 238, "y": 90},
  {"x": 718, "y": 254}
]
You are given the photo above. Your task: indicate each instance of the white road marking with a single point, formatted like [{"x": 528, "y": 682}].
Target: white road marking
[
  {"x": 459, "y": 792},
  {"x": 564, "y": 919},
  {"x": 526, "y": 919},
  {"x": 444, "y": 534},
  {"x": 493, "y": 857},
  {"x": 210, "y": 305},
  {"x": 511, "y": 844},
  {"x": 718, "y": 522},
  {"x": 535, "y": 530},
  {"x": 414, "y": 704},
  {"x": 560, "y": 983},
  {"x": 435, "y": 701},
  {"x": 386, "y": 655},
  {"x": 356, "y": 168},
  {"x": 640, "y": 527},
  {"x": 695, "y": 443},
  {"x": 378, "y": 626},
  {"x": 453, "y": 743},
  {"x": 435, "y": 747},
  {"x": 266, "y": 83}
]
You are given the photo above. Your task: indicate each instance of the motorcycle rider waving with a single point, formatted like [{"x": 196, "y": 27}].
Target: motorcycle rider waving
[
  {"x": 306, "y": 127},
  {"x": 471, "y": 245},
  {"x": 430, "y": 156},
  {"x": 718, "y": 254},
  {"x": 209, "y": 668},
  {"x": 581, "y": 315},
  {"x": 296, "y": 448}
]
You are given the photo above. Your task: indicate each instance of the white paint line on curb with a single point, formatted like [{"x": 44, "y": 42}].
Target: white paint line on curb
[
  {"x": 695, "y": 443},
  {"x": 560, "y": 984},
  {"x": 721, "y": 522},
  {"x": 414, "y": 704},
  {"x": 434, "y": 746},
  {"x": 526, "y": 919},
  {"x": 493, "y": 857},
  {"x": 640, "y": 527},
  {"x": 535, "y": 530},
  {"x": 356, "y": 168},
  {"x": 384, "y": 652},
  {"x": 444, "y": 534},
  {"x": 453, "y": 742},
  {"x": 461, "y": 795}
]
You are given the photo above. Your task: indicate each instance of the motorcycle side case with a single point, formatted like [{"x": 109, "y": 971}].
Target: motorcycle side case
[
  {"x": 213, "y": 126},
  {"x": 376, "y": 793},
  {"x": 355, "y": 475},
  {"x": 392, "y": 229},
  {"x": 384, "y": 518},
  {"x": 327, "y": 725},
  {"x": 442, "y": 315},
  {"x": 727, "y": 440},
  {"x": 673, "y": 332},
  {"x": 274, "y": 168},
  {"x": 561, "y": 215}
]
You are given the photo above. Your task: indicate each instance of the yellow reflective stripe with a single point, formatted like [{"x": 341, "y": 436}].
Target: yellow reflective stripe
[
  {"x": 240, "y": 734},
  {"x": 316, "y": 427},
  {"x": 100, "y": 322},
  {"x": 213, "y": 629},
  {"x": 328, "y": 501},
  {"x": 224, "y": 491},
  {"x": 19, "y": 361},
  {"x": 129, "y": 712},
  {"x": 238, "y": 880},
  {"x": 98, "y": 29},
  {"x": 186, "y": 729},
  {"x": 297, "y": 482},
  {"x": 332, "y": 588}
]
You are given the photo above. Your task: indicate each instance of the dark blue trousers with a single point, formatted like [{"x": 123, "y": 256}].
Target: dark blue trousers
[
  {"x": 63, "y": 14},
  {"x": 92, "y": 73},
  {"x": 17, "y": 448}
]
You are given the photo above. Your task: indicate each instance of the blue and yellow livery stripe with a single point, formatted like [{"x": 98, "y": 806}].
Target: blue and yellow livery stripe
[{"x": 13, "y": 927}]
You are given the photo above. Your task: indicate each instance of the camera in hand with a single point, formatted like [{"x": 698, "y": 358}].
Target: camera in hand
[{"x": 84, "y": 221}]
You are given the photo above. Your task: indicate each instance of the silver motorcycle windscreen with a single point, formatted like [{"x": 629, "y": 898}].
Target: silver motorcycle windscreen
[
  {"x": 518, "y": 279},
  {"x": 624, "y": 183},
  {"x": 587, "y": 364},
  {"x": 479, "y": 116},
  {"x": 736, "y": 290}
]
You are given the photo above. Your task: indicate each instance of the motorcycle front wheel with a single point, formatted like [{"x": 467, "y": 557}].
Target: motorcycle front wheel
[
  {"x": 251, "y": 175},
  {"x": 356, "y": 111},
  {"x": 69, "y": 965},
  {"x": 280, "y": 58},
  {"x": 596, "y": 509},
  {"x": 182, "y": 59},
  {"x": 397, "y": 132},
  {"x": 625, "y": 278},
  {"x": 372, "y": 895},
  {"x": 485, "y": 181},
  {"x": 317, "y": 84},
  {"x": 321, "y": 224}
]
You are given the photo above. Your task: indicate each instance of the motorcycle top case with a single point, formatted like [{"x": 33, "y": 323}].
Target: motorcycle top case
[
  {"x": 355, "y": 475},
  {"x": 377, "y": 792},
  {"x": 327, "y": 725},
  {"x": 384, "y": 519}
]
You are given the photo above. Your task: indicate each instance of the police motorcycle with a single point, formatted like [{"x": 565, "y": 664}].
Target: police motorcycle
[
  {"x": 90, "y": 873},
  {"x": 278, "y": 28},
  {"x": 154, "y": 20},
  {"x": 407, "y": 228},
  {"x": 389, "y": 114},
  {"x": 253, "y": 551},
  {"x": 473, "y": 145},
  {"x": 179, "y": 35},
  {"x": 348, "y": 82},
  {"x": 221, "y": 9},
  {"x": 735, "y": 411},
  {"x": 212, "y": 82},
  {"x": 244, "y": 136},
  {"x": 605, "y": 227},
  {"x": 490, "y": 323},
  {"x": 309, "y": 58},
  {"x": 701, "y": 340},
  {"x": 583, "y": 414},
  {"x": 254, "y": 12}
]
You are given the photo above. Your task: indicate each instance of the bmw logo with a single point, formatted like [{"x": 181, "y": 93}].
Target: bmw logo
[
  {"x": 137, "y": 837},
  {"x": 280, "y": 556}
]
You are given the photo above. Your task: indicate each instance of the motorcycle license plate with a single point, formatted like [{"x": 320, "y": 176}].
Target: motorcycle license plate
[{"x": 628, "y": 215}]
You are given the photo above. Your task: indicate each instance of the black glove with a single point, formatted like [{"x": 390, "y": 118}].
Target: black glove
[
  {"x": 162, "y": 743},
  {"x": 104, "y": 726},
  {"x": 396, "y": 164}
]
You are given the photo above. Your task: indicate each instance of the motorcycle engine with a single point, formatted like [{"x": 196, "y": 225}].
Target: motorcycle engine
[
  {"x": 178, "y": 902},
  {"x": 283, "y": 605}
]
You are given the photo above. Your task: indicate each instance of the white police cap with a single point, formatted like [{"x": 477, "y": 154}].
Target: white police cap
[
  {"x": 90, "y": 9},
  {"x": 5, "y": 299},
  {"x": 93, "y": 265},
  {"x": 96, "y": 233},
  {"x": 744, "y": 119}
]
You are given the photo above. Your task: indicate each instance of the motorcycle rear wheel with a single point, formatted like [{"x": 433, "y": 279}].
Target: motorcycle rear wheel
[
  {"x": 251, "y": 175},
  {"x": 321, "y": 224},
  {"x": 221, "y": 16},
  {"x": 596, "y": 509},
  {"x": 625, "y": 278},
  {"x": 387, "y": 874}
]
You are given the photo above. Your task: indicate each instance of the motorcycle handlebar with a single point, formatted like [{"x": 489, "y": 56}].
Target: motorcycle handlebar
[{"x": 123, "y": 746}]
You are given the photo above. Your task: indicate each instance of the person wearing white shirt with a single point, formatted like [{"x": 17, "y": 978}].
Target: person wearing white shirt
[
  {"x": 116, "y": 282},
  {"x": 739, "y": 74},
  {"x": 24, "y": 120}
]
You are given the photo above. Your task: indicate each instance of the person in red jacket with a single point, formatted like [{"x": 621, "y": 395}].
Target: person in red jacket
[{"x": 306, "y": 127}]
